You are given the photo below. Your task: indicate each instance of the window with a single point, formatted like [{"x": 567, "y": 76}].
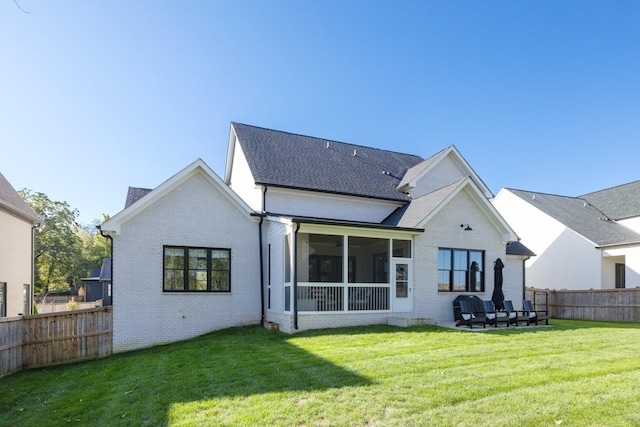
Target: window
[
  {"x": 197, "y": 269},
  {"x": 3, "y": 299},
  {"x": 26, "y": 299},
  {"x": 460, "y": 270}
]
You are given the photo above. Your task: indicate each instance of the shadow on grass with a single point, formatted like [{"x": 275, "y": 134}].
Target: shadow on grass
[{"x": 140, "y": 387}]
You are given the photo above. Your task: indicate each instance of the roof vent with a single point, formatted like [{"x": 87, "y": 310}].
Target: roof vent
[
  {"x": 584, "y": 205},
  {"x": 327, "y": 144},
  {"x": 533, "y": 197},
  {"x": 354, "y": 153}
]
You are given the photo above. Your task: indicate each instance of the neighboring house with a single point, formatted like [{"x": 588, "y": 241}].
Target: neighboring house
[
  {"x": 306, "y": 233},
  {"x": 586, "y": 242},
  {"x": 105, "y": 279},
  {"x": 97, "y": 287},
  {"x": 17, "y": 220}
]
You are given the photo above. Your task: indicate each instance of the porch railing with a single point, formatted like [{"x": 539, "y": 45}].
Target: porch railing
[{"x": 333, "y": 297}]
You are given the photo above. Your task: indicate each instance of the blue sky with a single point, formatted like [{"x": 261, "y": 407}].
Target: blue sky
[{"x": 98, "y": 96}]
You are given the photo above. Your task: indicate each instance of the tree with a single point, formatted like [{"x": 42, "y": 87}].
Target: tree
[
  {"x": 57, "y": 246},
  {"x": 95, "y": 248}
]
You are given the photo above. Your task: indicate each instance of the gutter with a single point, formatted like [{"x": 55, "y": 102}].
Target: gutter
[{"x": 347, "y": 223}]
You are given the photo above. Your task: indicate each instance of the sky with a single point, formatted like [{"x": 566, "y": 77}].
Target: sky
[{"x": 97, "y": 96}]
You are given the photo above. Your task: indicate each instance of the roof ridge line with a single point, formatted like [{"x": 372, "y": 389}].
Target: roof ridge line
[
  {"x": 610, "y": 188},
  {"x": 331, "y": 140}
]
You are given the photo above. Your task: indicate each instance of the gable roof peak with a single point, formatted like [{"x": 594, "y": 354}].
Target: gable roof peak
[
  {"x": 197, "y": 167},
  {"x": 417, "y": 172},
  {"x": 11, "y": 200}
]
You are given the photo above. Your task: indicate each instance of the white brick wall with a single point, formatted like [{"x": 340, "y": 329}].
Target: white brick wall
[
  {"x": 193, "y": 214},
  {"x": 444, "y": 231},
  {"x": 443, "y": 174}
]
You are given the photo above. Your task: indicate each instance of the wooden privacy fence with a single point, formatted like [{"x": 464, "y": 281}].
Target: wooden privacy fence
[
  {"x": 54, "y": 338},
  {"x": 610, "y": 305}
]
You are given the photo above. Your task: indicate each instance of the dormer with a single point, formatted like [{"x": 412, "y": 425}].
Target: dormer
[{"x": 438, "y": 171}]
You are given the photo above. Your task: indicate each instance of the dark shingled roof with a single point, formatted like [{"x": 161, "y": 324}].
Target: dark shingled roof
[
  {"x": 134, "y": 194},
  {"x": 105, "y": 271},
  {"x": 517, "y": 248},
  {"x": 582, "y": 217},
  {"x": 10, "y": 198},
  {"x": 289, "y": 160},
  {"x": 413, "y": 213},
  {"x": 618, "y": 202}
]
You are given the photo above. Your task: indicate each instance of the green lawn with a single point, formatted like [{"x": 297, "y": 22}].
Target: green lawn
[{"x": 570, "y": 373}]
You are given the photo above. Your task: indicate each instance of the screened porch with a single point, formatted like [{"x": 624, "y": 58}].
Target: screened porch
[{"x": 341, "y": 273}]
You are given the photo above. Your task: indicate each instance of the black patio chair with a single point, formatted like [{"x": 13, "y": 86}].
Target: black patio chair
[
  {"x": 515, "y": 317},
  {"x": 495, "y": 317},
  {"x": 469, "y": 317},
  {"x": 534, "y": 316}
]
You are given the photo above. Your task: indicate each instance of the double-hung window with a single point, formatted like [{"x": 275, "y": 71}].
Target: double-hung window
[
  {"x": 460, "y": 270},
  {"x": 196, "y": 269}
]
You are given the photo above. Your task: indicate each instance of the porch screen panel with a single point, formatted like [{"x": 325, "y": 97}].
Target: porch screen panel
[
  {"x": 368, "y": 260},
  {"x": 287, "y": 258},
  {"x": 401, "y": 248},
  {"x": 320, "y": 258}
]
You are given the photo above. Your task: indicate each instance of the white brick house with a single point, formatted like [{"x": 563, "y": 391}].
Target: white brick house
[
  {"x": 321, "y": 233},
  {"x": 193, "y": 211}
]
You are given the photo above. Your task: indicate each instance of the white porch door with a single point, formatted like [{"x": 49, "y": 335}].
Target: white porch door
[{"x": 402, "y": 285}]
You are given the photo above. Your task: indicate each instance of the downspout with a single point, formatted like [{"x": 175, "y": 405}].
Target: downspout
[
  {"x": 524, "y": 283},
  {"x": 108, "y": 237},
  {"x": 262, "y": 318},
  {"x": 33, "y": 267},
  {"x": 262, "y": 313},
  {"x": 295, "y": 276}
]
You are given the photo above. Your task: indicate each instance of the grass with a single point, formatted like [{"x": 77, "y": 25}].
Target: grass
[{"x": 570, "y": 373}]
